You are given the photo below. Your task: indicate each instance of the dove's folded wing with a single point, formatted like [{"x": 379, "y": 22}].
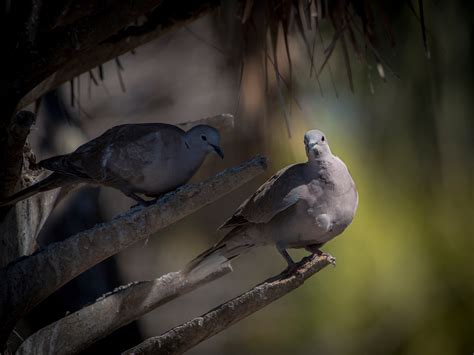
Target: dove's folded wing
[
  {"x": 278, "y": 193},
  {"x": 117, "y": 155}
]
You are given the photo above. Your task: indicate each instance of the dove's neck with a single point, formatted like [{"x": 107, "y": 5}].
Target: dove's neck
[
  {"x": 332, "y": 170},
  {"x": 194, "y": 157},
  {"x": 322, "y": 166},
  {"x": 320, "y": 160}
]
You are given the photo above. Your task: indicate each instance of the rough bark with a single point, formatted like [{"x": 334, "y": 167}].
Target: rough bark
[
  {"x": 11, "y": 158},
  {"x": 29, "y": 280},
  {"x": 20, "y": 224},
  {"x": 191, "y": 333},
  {"x": 77, "y": 331}
]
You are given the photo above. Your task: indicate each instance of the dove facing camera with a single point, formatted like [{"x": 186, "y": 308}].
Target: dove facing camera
[{"x": 302, "y": 206}]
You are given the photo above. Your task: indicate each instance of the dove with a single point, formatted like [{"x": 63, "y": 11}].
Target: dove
[
  {"x": 145, "y": 158},
  {"x": 302, "y": 206}
]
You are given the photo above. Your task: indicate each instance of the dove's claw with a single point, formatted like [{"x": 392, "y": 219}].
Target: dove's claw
[
  {"x": 328, "y": 257},
  {"x": 289, "y": 270}
]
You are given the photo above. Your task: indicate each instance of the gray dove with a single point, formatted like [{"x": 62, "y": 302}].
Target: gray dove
[
  {"x": 301, "y": 206},
  {"x": 147, "y": 158}
]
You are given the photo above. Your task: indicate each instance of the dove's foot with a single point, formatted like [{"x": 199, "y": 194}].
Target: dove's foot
[
  {"x": 290, "y": 269},
  {"x": 144, "y": 203},
  {"x": 134, "y": 196},
  {"x": 148, "y": 203},
  {"x": 314, "y": 250},
  {"x": 328, "y": 257}
]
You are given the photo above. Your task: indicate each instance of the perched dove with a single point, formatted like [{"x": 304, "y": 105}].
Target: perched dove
[
  {"x": 302, "y": 206},
  {"x": 148, "y": 158}
]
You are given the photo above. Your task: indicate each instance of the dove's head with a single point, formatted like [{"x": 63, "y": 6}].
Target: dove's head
[
  {"x": 316, "y": 144},
  {"x": 205, "y": 138}
]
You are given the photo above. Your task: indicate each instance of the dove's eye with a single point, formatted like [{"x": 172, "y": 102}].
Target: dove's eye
[
  {"x": 322, "y": 139},
  {"x": 204, "y": 138}
]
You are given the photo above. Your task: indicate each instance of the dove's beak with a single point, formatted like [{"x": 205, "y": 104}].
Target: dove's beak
[
  {"x": 218, "y": 151},
  {"x": 313, "y": 147}
]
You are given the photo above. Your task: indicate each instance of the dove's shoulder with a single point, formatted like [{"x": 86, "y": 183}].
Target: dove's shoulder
[
  {"x": 278, "y": 193},
  {"x": 126, "y": 134}
]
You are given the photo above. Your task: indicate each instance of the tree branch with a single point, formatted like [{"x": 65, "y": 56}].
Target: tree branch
[
  {"x": 60, "y": 262},
  {"x": 189, "y": 334},
  {"x": 77, "y": 331},
  {"x": 20, "y": 224},
  {"x": 11, "y": 151},
  {"x": 223, "y": 122}
]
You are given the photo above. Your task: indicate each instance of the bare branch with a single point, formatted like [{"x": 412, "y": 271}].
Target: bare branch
[
  {"x": 223, "y": 122},
  {"x": 60, "y": 262},
  {"x": 77, "y": 331},
  {"x": 189, "y": 334}
]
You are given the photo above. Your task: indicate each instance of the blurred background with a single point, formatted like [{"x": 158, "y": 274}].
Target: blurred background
[{"x": 404, "y": 281}]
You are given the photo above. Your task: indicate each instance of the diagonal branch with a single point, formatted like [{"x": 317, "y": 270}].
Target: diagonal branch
[
  {"x": 77, "y": 331},
  {"x": 184, "y": 337},
  {"x": 60, "y": 262}
]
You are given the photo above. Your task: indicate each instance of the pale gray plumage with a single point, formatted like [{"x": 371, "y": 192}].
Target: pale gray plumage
[
  {"x": 301, "y": 206},
  {"x": 149, "y": 159}
]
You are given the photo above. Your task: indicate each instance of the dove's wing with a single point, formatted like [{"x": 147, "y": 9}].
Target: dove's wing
[
  {"x": 118, "y": 155},
  {"x": 278, "y": 193}
]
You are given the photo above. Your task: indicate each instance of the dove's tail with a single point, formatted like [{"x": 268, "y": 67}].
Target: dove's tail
[
  {"x": 219, "y": 254},
  {"x": 51, "y": 182}
]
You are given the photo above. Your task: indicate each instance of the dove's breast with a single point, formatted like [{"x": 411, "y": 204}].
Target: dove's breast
[
  {"x": 343, "y": 211},
  {"x": 342, "y": 199},
  {"x": 167, "y": 171},
  {"x": 325, "y": 210}
]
